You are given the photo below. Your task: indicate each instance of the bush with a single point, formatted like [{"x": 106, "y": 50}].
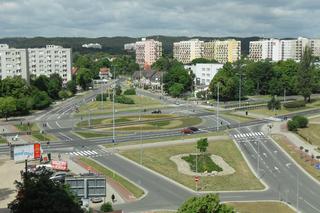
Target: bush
[
  {"x": 301, "y": 121},
  {"x": 294, "y": 104},
  {"x": 63, "y": 94},
  {"x": 130, "y": 91},
  {"x": 292, "y": 125},
  {"x": 297, "y": 122},
  {"x": 123, "y": 100},
  {"x": 106, "y": 207},
  {"x": 274, "y": 104},
  {"x": 103, "y": 97}
]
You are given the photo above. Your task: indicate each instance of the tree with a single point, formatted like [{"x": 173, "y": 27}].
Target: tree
[
  {"x": 305, "y": 80},
  {"x": 84, "y": 78},
  {"x": 7, "y": 106},
  {"x": 41, "y": 100},
  {"x": 209, "y": 203},
  {"x": 106, "y": 207},
  {"x": 72, "y": 86},
  {"x": 176, "y": 90},
  {"x": 54, "y": 86},
  {"x": 23, "y": 106},
  {"x": 202, "y": 145},
  {"x": 63, "y": 94},
  {"x": 274, "y": 104},
  {"x": 118, "y": 90},
  {"x": 37, "y": 193},
  {"x": 41, "y": 82},
  {"x": 203, "y": 61}
]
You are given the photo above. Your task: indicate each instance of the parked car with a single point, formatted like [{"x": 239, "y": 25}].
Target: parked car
[
  {"x": 58, "y": 176},
  {"x": 186, "y": 131},
  {"x": 158, "y": 111},
  {"x": 194, "y": 129},
  {"x": 96, "y": 200}
]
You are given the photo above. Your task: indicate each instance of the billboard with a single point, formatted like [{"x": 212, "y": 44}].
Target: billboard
[
  {"x": 59, "y": 165},
  {"x": 28, "y": 151},
  {"x": 87, "y": 186}
]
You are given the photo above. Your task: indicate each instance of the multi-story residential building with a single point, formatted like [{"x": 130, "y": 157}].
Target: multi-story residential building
[
  {"x": 13, "y": 62},
  {"x": 265, "y": 50},
  {"x": 148, "y": 51},
  {"x": 276, "y": 50},
  {"x": 227, "y": 51},
  {"x": 186, "y": 51},
  {"x": 49, "y": 60},
  {"x": 208, "y": 50},
  {"x": 204, "y": 73}
]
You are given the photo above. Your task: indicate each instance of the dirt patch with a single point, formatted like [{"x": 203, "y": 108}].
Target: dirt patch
[{"x": 184, "y": 167}]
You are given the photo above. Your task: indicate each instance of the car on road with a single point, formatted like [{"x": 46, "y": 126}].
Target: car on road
[
  {"x": 186, "y": 131},
  {"x": 194, "y": 129},
  {"x": 158, "y": 111}
]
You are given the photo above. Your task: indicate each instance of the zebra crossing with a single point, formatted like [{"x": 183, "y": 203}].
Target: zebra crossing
[
  {"x": 89, "y": 153},
  {"x": 249, "y": 135}
]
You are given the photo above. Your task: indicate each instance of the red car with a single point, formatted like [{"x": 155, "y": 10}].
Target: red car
[{"x": 186, "y": 131}]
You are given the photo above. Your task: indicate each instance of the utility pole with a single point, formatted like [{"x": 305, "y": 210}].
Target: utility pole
[
  {"x": 141, "y": 144},
  {"x": 258, "y": 172},
  {"x": 240, "y": 91},
  {"x": 218, "y": 107},
  {"x": 113, "y": 118},
  {"x": 284, "y": 95},
  {"x": 297, "y": 192},
  {"x": 196, "y": 168}
]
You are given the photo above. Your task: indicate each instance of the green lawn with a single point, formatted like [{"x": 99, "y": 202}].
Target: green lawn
[
  {"x": 260, "y": 207},
  {"x": 3, "y": 140},
  {"x": 311, "y": 134},
  {"x": 201, "y": 163},
  {"x": 35, "y": 132},
  {"x": 141, "y": 102},
  {"x": 171, "y": 138},
  {"x": 158, "y": 159},
  {"x": 294, "y": 152},
  {"x": 239, "y": 118},
  {"x": 135, "y": 190},
  {"x": 43, "y": 137},
  {"x": 25, "y": 127},
  {"x": 92, "y": 134}
]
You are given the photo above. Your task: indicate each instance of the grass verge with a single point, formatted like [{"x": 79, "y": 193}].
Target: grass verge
[
  {"x": 299, "y": 157},
  {"x": 136, "y": 191},
  {"x": 172, "y": 138},
  {"x": 92, "y": 134},
  {"x": 158, "y": 159},
  {"x": 3, "y": 140},
  {"x": 260, "y": 207},
  {"x": 25, "y": 127},
  {"x": 311, "y": 134},
  {"x": 238, "y": 118},
  {"x": 201, "y": 163}
]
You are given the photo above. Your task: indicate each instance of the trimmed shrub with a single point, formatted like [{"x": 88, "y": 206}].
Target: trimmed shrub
[
  {"x": 301, "y": 121},
  {"x": 274, "y": 104},
  {"x": 106, "y": 207},
  {"x": 292, "y": 125},
  {"x": 294, "y": 104},
  {"x": 103, "y": 97},
  {"x": 123, "y": 100},
  {"x": 131, "y": 91}
]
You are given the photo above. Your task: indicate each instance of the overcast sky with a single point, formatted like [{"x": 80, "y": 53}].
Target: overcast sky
[{"x": 96, "y": 18}]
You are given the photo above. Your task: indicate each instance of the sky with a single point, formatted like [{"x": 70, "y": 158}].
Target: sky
[{"x": 138, "y": 18}]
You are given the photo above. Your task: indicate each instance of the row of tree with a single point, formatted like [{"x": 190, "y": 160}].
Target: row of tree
[
  {"x": 267, "y": 78},
  {"x": 18, "y": 98}
]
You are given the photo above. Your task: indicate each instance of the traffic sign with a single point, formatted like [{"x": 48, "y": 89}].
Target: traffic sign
[
  {"x": 317, "y": 166},
  {"x": 196, "y": 178}
]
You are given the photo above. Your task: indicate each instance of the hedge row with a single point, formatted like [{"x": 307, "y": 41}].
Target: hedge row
[{"x": 294, "y": 104}]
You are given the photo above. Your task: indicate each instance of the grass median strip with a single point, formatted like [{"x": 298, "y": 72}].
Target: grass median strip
[
  {"x": 136, "y": 191},
  {"x": 311, "y": 134},
  {"x": 301, "y": 159},
  {"x": 92, "y": 134},
  {"x": 158, "y": 159},
  {"x": 261, "y": 207}
]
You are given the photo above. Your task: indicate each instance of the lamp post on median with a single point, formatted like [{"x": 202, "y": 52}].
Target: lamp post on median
[{"x": 218, "y": 105}]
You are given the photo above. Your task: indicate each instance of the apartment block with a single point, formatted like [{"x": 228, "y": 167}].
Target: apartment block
[
  {"x": 186, "y": 51},
  {"x": 49, "y": 60},
  {"x": 148, "y": 51},
  {"x": 276, "y": 50},
  {"x": 227, "y": 51},
  {"x": 13, "y": 62},
  {"x": 265, "y": 50}
]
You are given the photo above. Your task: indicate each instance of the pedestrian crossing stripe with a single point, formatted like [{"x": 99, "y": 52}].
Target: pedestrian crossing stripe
[
  {"x": 83, "y": 153},
  {"x": 249, "y": 135}
]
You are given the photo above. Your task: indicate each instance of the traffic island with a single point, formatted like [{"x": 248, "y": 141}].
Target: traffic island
[{"x": 158, "y": 159}]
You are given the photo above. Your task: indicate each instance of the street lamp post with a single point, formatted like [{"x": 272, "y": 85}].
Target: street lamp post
[
  {"x": 218, "y": 106},
  {"x": 113, "y": 117}
]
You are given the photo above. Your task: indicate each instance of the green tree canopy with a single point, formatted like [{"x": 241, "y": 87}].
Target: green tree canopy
[
  {"x": 41, "y": 83},
  {"x": 202, "y": 145},
  {"x": 209, "y": 203},
  {"x": 7, "y": 106},
  {"x": 37, "y": 193},
  {"x": 84, "y": 78},
  {"x": 203, "y": 61}
]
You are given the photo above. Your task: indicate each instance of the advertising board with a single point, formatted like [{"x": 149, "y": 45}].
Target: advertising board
[{"x": 28, "y": 151}]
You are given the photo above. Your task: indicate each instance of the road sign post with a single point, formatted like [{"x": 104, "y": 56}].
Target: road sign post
[{"x": 196, "y": 179}]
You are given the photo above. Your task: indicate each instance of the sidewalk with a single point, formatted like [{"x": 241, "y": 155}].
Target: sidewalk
[
  {"x": 21, "y": 138},
  {"x": 281, "y": 128}
]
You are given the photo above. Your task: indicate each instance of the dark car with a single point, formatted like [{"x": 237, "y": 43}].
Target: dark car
[
  {"x": 158, "y": 111},
  {"x": 194, "y": 129},
  {"x": 186, "y": 131}
]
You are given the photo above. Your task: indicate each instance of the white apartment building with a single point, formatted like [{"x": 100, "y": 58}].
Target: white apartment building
[
  {"x": 204, "y": 72},
  {"x": 265, "y": 50},
  {"x": 49, "y": 60},
  {"x": 276, "y": 50},
  {"x": 13, "y": 62},
  {"x": 186, "y": 51},
  {"x": 148, "y": 51}
]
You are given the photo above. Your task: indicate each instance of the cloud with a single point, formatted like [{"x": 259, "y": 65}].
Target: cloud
[{"x": 95, "y": 18}]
